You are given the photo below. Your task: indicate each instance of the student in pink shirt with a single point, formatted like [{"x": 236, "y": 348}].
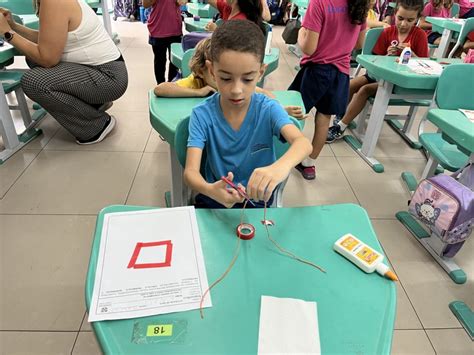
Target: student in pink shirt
[
  {"x": 330, "y": 31},
  {"x": 435, "y": 8},
  {"x": 165, "y": 27},
  {"x": 466, "y": 8}
]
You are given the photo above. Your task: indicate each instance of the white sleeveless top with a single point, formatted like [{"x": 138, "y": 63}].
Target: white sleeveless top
[{"x": 89, "y": 44}]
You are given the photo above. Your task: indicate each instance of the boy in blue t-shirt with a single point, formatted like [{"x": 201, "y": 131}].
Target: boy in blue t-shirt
[{"x": 236, "y": 126}]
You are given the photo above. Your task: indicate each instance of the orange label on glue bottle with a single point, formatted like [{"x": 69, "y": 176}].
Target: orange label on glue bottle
[{"x": 363, "y": 256}]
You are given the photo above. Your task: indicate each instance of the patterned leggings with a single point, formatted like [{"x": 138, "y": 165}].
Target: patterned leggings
[{"x": 72, "y": 93}]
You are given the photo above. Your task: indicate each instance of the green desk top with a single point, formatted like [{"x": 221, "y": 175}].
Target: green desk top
[
  {"x": 271, "y": 59},
  {"x": 166, "y": 113},
  {"x": 452, "y": 24},
  {"x": 31, "y": 21},
  {"x": 356, "y": 311},
  {"x": 196, "y": 26},
  {"x": 455, "y": 125},
  {"x": 202, "y": 10},
  {"x": 386, "y": 67}
]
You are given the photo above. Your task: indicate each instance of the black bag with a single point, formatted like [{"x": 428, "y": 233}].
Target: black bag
[{"x": 290, "y": 33}]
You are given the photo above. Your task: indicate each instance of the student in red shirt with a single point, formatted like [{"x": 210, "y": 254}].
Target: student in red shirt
[
  {"x": 252, "y": 10},
  {"x": 391, "y": 42}
]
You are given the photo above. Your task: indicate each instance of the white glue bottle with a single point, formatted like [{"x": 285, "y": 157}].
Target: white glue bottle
[
  {"x": 268, "y": 44},
  {"x": 405, "y": 55},
  {"x": 363, "y": 256}
]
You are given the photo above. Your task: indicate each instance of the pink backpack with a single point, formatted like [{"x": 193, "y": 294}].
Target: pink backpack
[{"x": 446, "y": 205}]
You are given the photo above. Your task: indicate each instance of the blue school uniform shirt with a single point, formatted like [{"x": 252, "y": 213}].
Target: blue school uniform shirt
[{"x": 237, "y": 151}]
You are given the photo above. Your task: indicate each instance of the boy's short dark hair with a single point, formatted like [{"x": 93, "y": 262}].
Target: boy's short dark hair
[
  {"x": 238, "y": 35},
  {"x": 415, "y": 5}
]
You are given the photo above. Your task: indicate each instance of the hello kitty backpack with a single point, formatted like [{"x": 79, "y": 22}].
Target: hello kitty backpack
[{"x": 446, "y": 205}]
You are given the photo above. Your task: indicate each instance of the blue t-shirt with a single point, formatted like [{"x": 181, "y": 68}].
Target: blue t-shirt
[{"x": 237, "y": 151}]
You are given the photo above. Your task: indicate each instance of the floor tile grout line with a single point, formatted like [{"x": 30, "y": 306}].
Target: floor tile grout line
[
  {"x": 403, "y": 288},
  {"x": 20, "y": 175},
  {"x": 135, "y": 176},
  {"x": 348, "y": 181},
  {"x": 77, "y": 334}
]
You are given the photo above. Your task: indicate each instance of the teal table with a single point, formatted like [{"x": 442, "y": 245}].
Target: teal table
[
  {"x": 202, "y": 10},
  {"x": 356, "y": 311},
  {"x": 12, "y": 141},
  {"x": 448, "y": 27},
  {"x": 271, "y": 60},
  {"x": 196, "y": 26},
  {"x": 166, "y": 113},
  {"x": 395, "y": 82}
]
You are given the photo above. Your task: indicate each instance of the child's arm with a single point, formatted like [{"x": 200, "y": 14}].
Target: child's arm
[
  {"x": 308, "y": 40},
  {"x": 218, "y": 191},
  {"x": 424, "y": 25},
  {"x": 294, "y": 111},
  {"x": 376, "y": 23},
  {"x": 264, "y": 180},
  {"x": 170, "y": 89}
]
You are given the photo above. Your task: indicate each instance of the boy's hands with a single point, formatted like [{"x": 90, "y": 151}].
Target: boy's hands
[
  {"x": 224, "y": 194},
  {"x": 205, "y": 91},
  {"x": 295, "y": 111},
  {"x": 263, "y": 181}
]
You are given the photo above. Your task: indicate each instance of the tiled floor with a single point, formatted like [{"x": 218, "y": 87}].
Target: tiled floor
[{"x": 51, "y": 191}]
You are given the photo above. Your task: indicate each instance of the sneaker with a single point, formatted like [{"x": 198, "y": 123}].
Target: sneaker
[
  {"x": 104, "y": 107},
  {"x": 336, "y": 119},
  {"x": 109, "y": 126},
  {"x": 308, "y": 172},
  {"x": 334, "y": 133}
]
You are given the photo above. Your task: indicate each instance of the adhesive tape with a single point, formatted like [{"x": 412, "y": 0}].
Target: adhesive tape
[{"x": 245, "y": 231}]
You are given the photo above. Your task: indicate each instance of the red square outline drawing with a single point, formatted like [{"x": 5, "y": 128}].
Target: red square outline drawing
[{"x": 133, "y": 261}]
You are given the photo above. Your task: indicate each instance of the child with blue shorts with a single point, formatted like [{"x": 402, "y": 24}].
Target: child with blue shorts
[
  {"x": 235, "y": 127},
  {"x": 330, "y": 31}
]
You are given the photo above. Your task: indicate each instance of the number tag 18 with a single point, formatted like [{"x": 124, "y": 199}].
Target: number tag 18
[{"x": 159, "y": 330}]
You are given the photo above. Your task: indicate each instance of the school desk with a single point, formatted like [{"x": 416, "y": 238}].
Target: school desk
[
  {"x": 201, "y": 10},
  {"x": 271, "y": 60},
  {"x": 448, "y": 27},
  {"x": 356, "y": 311},
  {"x": 395, "y": 82},
  {"x": 12, "y": 141},
  {"x": 192, "y": 25},
  {"x": 166, "y": 113}
]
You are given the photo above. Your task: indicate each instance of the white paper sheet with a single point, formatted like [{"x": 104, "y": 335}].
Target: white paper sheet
[
  {"x": 288, "y": 326},
  {"x": 150, "y": 262},
  {"x": 425, "y": 66},
  {"x": 6, "y": 46}
]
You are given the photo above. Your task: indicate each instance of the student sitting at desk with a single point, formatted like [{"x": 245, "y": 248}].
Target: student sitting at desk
[
  {"x": 466, "y": 8},
  {"x": 252, "y": 10},
  {"x": 391, "y": 42},
  {"x": 76, "y": 68},
  {"x": 235, "y": 127},
  {"x": 201, "y": 83},
  {"x": 435, "y": 8}
]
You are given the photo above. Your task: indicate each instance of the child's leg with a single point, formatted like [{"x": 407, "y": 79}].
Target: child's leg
[
  {"x": 159, "y": 50},
  {"x": 358, "y": 102},
  {"x": 321, "y": 126},
  {"x": 172, "y": 70},
  {"x": 355, "y": 84}
]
